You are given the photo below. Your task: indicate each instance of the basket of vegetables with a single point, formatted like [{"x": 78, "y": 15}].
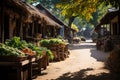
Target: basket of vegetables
[
  {"x": 8, "y": 53},
  {"x": 22, "y": 45}
]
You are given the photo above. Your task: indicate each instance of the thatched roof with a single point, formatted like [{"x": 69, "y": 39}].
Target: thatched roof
[
  {"x": 14, "y": 5},
  {"x": 34, "y": 12},
  {"x": 50, "y": 22},
  {"x": 51, "y": 16},
  {"x": 48, "y": 13},
  {"x": 29, "y": 12}
]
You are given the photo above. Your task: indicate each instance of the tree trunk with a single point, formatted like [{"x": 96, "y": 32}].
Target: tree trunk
[{"x": 71, "y": 19}]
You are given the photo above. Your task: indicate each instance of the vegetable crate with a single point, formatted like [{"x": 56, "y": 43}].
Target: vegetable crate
[{"x": 60, "y": 51}]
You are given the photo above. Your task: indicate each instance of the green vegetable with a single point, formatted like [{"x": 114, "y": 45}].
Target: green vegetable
[
  {"x": 16, "y": 43},
  {"x": 10, "y": 51},
  {"x": 35, "y": 48},
  {"x": 40, "y": 50},
  {"x": 21, "y": 44},
  {"x": 50, "y": 54},
  {"x": 49, "y": 42},
  {"x": 44, "y": 43}
]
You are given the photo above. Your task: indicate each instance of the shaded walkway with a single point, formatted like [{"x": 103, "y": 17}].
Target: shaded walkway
[{"x": 84, "y": 63}]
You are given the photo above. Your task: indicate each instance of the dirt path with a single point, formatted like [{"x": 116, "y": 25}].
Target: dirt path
[{"x": 84, "y": 63}]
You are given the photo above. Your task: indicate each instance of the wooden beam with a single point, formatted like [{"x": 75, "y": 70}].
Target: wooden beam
[{"x": 2, "y": 24}]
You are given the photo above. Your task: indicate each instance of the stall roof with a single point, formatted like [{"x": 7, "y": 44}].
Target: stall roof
[
  {"x": 53, "y": 17},
  {"x": 35, "y": 12},
  {"x": 108, "y": 16},
  {"x": 48, "y": 13},
  {"x": 23, "y": 8}
]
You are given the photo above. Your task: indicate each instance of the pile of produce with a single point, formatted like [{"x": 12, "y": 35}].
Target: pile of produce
[
  {"x": 40, "y": 50},
  {"x": 55, "y": 45},
  {"x": 28, "y": 48},
  {"x": 28, "y": 51},
  {"x": 16, "y": 43},
  {"x": 22, "y": 45},
  {"x": 10, "y": 51},
  {"x": 50, "y": 42},
  {"x": 35, "y": 48}
]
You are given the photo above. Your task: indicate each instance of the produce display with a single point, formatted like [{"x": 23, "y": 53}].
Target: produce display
[
  {"x": 49, "y": 42},
  {"x": 10, "y": 51},
  {"x": 44, "y": 42},
  {"x": 35, "y": 48},
  {"x": 50, "y": 54},
  {"x": 40, "y": 50},
  {"x": 28, "y": 51},
  {"x": 28, "y": 48},
  {"x": 55, "y": 45},
  {"x": 16, "y": 43}
]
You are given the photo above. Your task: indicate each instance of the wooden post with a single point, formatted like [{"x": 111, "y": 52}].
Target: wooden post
[
  {"x": 19, "y": 73},
  {"x": 119, "y": 20},
  {"x": 2, "y": 23},
  {"x": 30, "y": 71},
  {"x": 21, "y": 28},
  {"x": 32, "y": 28}
]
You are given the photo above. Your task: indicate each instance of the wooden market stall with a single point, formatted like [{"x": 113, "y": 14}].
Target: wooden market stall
[
  {"x": 25, "y": 21},
  {"x": 63, "y": 31},
  {"x": 109, "y": 30},
  {"x": 19, "y": 18},
  {"x": 51, "y": 23},
  {"x": 60, "y": 52},
  {"x": 12, "y": 15}
]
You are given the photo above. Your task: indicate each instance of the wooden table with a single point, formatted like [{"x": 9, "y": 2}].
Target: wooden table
[{"x": 19, "y": 66}]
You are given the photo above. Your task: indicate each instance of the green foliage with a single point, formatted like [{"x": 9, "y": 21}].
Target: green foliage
[
  {"x": 79, "y": 7},
  {"x": 96, "y": 16},
  {"x": 74, "y": 27},
  {"x": 32, "y": 1},
  {"x": 114, "y": 3}
]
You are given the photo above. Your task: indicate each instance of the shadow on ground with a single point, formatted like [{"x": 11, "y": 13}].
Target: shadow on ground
[{"x": 80, "y": 75}]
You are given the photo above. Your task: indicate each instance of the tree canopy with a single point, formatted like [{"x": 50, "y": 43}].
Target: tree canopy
[
  {"x": 70, "y": 9},
  {"x": 83, "y": 8},
  {"x": 75, "y": 27},
  {"x": 77, "y": 8},
  {"x": 114, "y": 3}
]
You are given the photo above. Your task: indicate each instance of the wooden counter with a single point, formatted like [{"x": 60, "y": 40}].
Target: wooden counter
[{"x": 19, "y": 67}]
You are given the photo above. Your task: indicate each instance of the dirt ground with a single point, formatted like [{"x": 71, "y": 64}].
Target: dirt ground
[{"x": 84, "y": 63}]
